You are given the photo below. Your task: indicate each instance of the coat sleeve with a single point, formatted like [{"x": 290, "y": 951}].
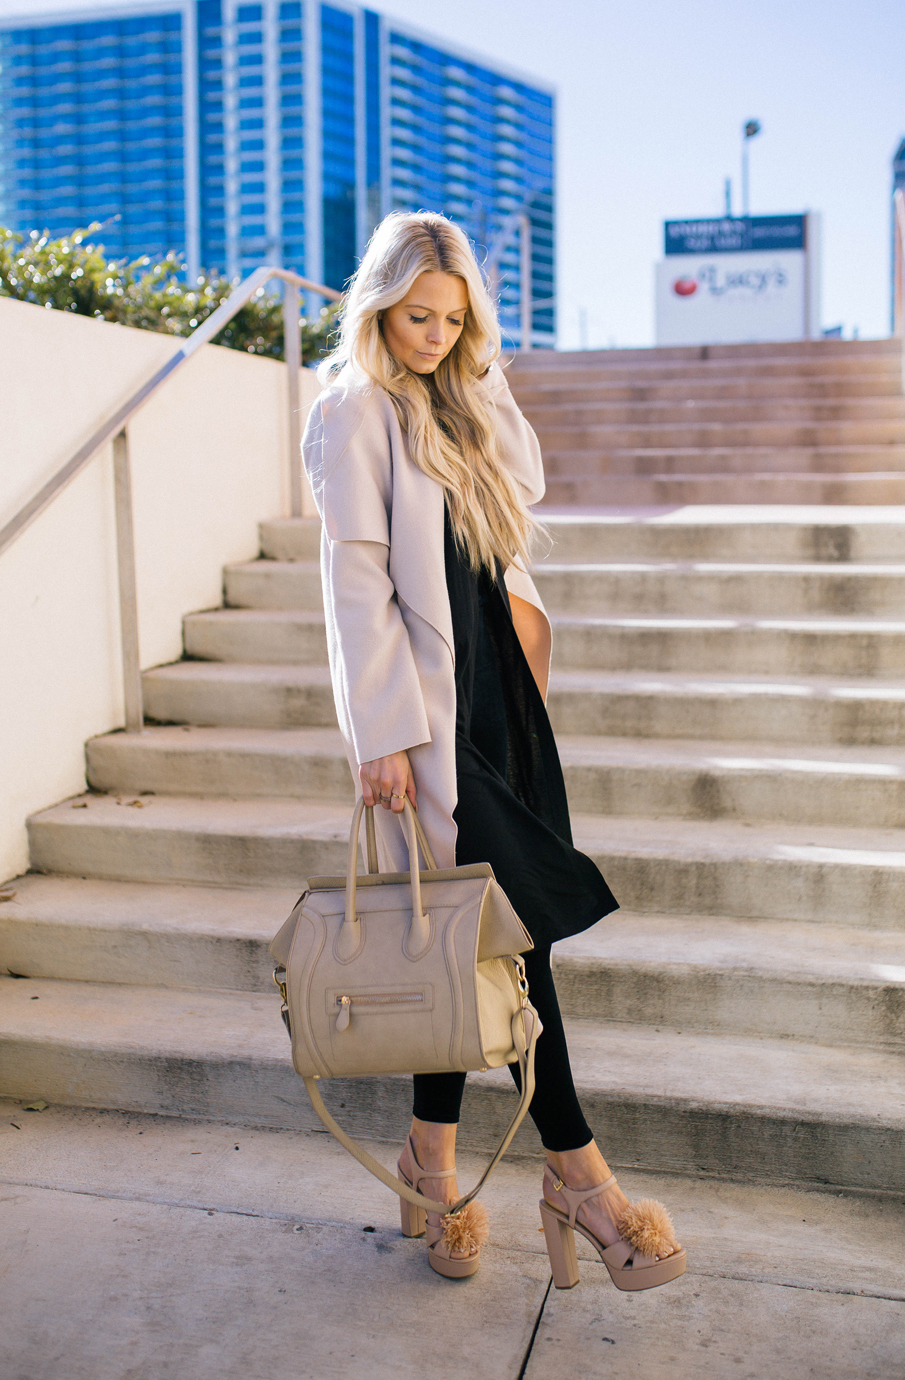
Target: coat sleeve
[
  {"x": 376, "y": 685},
  {"x": 375, "y": 680},
  {"x": 519, "y": 447}
]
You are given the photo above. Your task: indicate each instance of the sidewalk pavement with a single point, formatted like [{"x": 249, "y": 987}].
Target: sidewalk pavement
[{"x": 139, "y": 1247}]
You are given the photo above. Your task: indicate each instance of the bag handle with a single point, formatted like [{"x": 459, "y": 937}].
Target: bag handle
[
  {"x": 418, "y": 937},
  {"x": 526, "y": 1027}
]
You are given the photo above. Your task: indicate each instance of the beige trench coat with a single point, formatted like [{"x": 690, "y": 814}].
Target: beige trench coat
[{"x": 389, "y": 626}]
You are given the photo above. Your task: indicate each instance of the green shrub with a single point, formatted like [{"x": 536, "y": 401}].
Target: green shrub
[{"x": 72, "y": 274}]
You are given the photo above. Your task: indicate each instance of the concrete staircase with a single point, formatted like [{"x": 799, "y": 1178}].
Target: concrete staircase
[
  {"x": 729, "y": 697},
  {"x": 807, "y": 422}
]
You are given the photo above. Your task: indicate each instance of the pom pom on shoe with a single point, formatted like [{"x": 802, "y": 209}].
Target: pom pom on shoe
[
  {"x": 647, "y": 1226},
  {"x": 467, "y": 1231}
]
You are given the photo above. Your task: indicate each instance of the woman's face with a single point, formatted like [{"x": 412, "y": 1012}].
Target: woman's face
[{"x": 423, "y": 328}]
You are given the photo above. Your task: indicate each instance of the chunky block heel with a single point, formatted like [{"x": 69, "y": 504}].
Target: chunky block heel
[
  {"x": 414, "y": 1218},
  {"x": 453, "y": 1242},
  {"x": 560, "y": 1239},
  {"x": 644, "y": 1256}
]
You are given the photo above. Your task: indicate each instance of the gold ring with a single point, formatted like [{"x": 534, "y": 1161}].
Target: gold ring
[{"x": 396, "y": 796}]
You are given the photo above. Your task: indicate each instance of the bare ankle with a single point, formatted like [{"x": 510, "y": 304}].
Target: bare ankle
[
  {"x": 581, "y": 1168},
  {"x": 434, "y": 1143}
]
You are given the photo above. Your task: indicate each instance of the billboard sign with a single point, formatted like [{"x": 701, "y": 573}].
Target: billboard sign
[
  {"x": 737, "y": 279},
  {"x": 733, "y": 235}
]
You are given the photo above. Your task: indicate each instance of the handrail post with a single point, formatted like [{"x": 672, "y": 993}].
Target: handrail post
[
  {"x": 291, "y": 337},
  {"x": 128, "y": 597}
]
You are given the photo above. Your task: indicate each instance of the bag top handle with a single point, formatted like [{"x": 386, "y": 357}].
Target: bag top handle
[{"x": 418, "y": 938}]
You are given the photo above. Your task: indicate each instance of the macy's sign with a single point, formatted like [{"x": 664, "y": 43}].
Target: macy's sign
[{"x": 718, "y": 281}]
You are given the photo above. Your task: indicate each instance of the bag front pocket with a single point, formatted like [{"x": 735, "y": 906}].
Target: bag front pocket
[
  {"x": 381, "y": 1029},
  {"x": 346, "y": 1003}
]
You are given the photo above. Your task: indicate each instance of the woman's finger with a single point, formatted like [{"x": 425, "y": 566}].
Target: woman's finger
[
  {"x": 368, "y": 791},
  {"x": 387, "y": 781}
]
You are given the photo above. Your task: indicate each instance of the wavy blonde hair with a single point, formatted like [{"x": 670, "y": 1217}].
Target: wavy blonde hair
[{"x": 451, "y": 429}]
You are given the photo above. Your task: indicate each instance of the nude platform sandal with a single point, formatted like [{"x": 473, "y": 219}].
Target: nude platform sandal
[
  {"x": 467, "y": 1231},
  {"x": 645, "y": 1230}
]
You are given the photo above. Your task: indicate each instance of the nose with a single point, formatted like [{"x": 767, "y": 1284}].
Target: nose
[{"x": 436, "y": 334}]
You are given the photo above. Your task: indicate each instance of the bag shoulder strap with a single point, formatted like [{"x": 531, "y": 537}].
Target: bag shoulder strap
[{"x": 526, "y": 1027}]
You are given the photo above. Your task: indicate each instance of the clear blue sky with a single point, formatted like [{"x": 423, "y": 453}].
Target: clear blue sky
[{"x": 652, "y": 96}]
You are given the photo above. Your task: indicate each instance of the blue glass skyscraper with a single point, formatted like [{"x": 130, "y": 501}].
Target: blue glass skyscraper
[{"x": 279, "y": 131}]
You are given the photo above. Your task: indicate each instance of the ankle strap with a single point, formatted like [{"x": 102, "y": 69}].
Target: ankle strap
[{"x": 574, "y": 1197}]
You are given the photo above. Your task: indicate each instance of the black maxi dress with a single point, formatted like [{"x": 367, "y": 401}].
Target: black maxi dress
[{"x": 512, "y": 810}]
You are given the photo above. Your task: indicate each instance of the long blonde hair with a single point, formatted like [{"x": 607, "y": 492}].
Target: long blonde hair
[{"x": 450, "y": 428}]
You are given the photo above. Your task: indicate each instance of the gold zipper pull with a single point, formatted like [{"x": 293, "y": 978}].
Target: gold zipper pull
[{"x": 345, "y": 1013}]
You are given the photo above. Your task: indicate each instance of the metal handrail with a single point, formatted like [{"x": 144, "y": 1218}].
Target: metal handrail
[
  {"x": 114, "y": 428},
  {"x": 204, "y": 333}
]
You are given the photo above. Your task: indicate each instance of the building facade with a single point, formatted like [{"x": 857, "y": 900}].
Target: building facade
[{"x": 274, "y": 132}]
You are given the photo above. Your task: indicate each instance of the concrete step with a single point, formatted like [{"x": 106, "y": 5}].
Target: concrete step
[
  {"x": 716, "y": 975},
  {"x": 223, "y": 841},
  {"x": 289, "y": 636},
  {"x": 203, "y": 692},
  {"x": 779, "y": 378},
  {"x": 302, "y": 763},
  {"x": 609, "y": 776},
  {"x": 716, "y": 587},
  {"x": 727, "y": 532},
  {"x": 665, "y": 490},
  {"x": 691, "y": 410},
  {"x": 701, "y": 532},
  {"x": 781, "y": 871},
  {"x": 695, "y": 973},
  {"x": 784, "y": 646},
  {"x": 718, "y": 460},
  {"x": 274, "y": 585},
  {"x": 814, "y": 709},
  {"x": 146, "y": 934},
  {"x": 820, "y": 355},
  {"x": 559, "y": 391},
  {"x": 696, "y": 435},
  {"x": 778, "y": 646},
  {"x": 742, "y": 1107},
  {"x": 672, "y": 587},
  {"x": 291, "y": 539},
  {"x": 755, "y": 782}
]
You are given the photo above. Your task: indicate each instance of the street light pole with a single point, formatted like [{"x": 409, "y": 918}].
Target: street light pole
[{"x": 749, "y": 130}]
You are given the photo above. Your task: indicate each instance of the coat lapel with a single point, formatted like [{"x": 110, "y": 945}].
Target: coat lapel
[{"x": 417, "y": 566}]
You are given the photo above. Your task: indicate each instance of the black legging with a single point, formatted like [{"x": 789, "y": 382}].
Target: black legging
[{"x": 555, "y": 1108}]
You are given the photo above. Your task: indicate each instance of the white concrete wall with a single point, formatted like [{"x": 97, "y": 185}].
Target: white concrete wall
[{"x": 208, "y": 463}]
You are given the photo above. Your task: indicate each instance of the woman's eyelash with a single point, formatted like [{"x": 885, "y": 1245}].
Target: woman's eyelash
[{"x": 419, "y": 319}]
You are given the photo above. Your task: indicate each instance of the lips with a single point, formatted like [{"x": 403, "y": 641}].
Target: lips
[{"x": 685, "y": 287}]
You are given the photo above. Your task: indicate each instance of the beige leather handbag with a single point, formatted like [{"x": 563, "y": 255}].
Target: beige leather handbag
[{"x": 406, "y": 972}]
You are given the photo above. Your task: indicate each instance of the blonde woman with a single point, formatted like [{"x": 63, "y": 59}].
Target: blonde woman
[{"x": 423, "y": 469}]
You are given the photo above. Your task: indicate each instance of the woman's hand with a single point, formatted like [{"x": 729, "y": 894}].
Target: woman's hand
[{"x": 387, "y": 781}]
